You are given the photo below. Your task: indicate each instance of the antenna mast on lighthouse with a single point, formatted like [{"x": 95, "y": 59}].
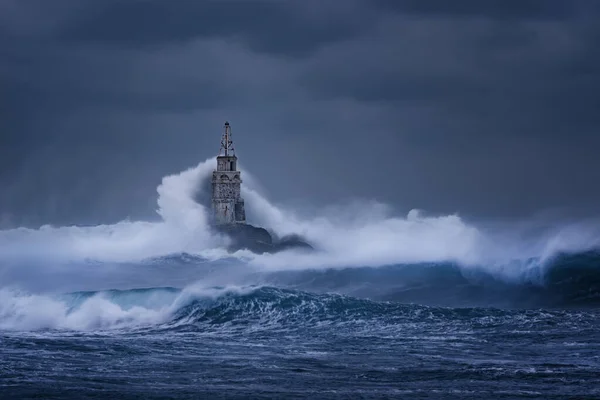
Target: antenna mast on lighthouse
[{"x": 226, "y": 141}]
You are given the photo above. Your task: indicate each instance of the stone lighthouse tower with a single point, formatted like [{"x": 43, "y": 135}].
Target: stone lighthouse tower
[{"x": 227, "y": 203}]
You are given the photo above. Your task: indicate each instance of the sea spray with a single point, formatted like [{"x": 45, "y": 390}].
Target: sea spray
[{"x": 358, "y": 234}]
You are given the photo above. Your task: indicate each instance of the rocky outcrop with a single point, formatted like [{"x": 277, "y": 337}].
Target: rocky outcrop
[{"x": 259, "y": 240}]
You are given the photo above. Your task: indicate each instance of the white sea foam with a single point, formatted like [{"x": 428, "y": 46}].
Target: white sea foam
[
  {"x": 27, "y": 312},
  {"x": 104, "y": 310},
  {"x": 359, "y": 234}
]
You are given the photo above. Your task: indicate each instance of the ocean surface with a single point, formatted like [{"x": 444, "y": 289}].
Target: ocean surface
[
  {"x": 412, "y": 331},
  {"x": 386, "y": 307}
]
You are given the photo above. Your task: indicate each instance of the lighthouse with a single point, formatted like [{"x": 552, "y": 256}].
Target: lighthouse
[
  {"x": 227, "y": 202},
  {"x": 228, "y": 214}
]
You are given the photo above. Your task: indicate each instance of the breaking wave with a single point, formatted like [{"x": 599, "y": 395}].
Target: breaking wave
[{"x": 302, "y": 300}]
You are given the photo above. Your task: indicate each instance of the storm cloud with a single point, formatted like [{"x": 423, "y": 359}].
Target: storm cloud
[{"x": 486, "y": 108}]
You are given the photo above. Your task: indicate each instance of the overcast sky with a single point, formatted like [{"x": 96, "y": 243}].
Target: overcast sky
[{"x": 488, "y": 108}]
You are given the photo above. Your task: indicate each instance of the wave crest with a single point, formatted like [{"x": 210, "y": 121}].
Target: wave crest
[{"x": 297, "y": 299}]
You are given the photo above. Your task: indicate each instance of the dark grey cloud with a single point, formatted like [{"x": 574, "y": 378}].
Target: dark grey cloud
[
  {"x": 493, "y": 9},
  {"x": 281, "y": 27},
  {"x": 487, "y": 108},
  {"x": 529, "y": 77}
]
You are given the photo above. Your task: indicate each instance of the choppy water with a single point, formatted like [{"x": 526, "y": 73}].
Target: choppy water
[
  {"x": 407, "y": 331},
  {"x": 387, "y": 306}
]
